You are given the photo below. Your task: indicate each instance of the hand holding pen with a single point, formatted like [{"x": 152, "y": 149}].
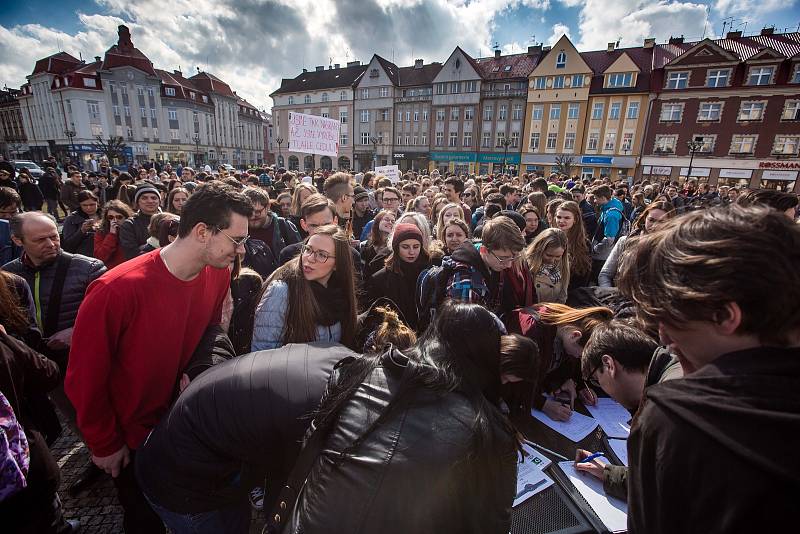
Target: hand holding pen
[{"x": 591, "y": 463}]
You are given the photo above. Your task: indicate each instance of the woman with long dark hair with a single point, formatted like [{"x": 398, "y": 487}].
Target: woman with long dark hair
[
  {"x": 568, "y": 218},
  {"x": 80, "y": 225},
  {"x": 106, "y": 239},
  {"x": 533, "y": 222},
  {"x": 311, "y": 297},
  {"x": 176, "y": 198},
  {"x": 377, "y": 242},
  {"x": 421, "y": 428}
]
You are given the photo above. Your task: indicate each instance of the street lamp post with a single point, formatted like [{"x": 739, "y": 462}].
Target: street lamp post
[
  {"x": 506, "y": 143},
  {"x": 241, "y": 142},
  {"x": 196, "y": 139},
  {"x": 279, "y": 140},
  {"x": 374, "y": 140},
  {"x": 694, "y": 146},
  {"x": 70, "y": 133}
]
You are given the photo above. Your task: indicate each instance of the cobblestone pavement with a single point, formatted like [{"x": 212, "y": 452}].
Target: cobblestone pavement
[{"x": 97, "y": 508}]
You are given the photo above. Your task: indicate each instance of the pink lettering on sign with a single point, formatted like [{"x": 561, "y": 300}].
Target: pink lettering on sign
[{"x": 312, "y": 134}]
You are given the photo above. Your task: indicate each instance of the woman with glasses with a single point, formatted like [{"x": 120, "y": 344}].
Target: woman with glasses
[
  {"x": 311, "y": 297},
  {"x": 374, "y": 249},
  {"x": 106, "y": 240},
  {"x": 80, "y": 225}
]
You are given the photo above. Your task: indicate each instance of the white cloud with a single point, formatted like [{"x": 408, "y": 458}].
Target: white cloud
[
  {"x": 559, "y": 29},
  {"x": 749, "y": 10}
]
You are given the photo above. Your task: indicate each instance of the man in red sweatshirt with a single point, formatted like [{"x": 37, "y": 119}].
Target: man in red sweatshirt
[{"x": 137, "y": 329}]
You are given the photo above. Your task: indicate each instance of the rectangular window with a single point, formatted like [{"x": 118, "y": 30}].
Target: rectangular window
[
  {"x": 174, "y": 135},
  {"x": 440, "y": 114},
  {"x": 718, "y": 78},
  {"x": 752, "y": 111},
  {"x": 471, "y": 86},
  {"x": 501, "y": 136},
  {"x": 152, "y": 114},
  {"x": 502, "y": 113},
  {"x": 169, "y": 91},
  {"x": 364, "y": 94},
  {"x": 743, "y": 144},
  {"x": 569, "y": 141},
  {"x": 795, "y": 74},
  {"x": 408, "y": 139},
  {"x": 709, "y": 111},
  {"x": 425, "y": 114},
  {"x": 342, "y": 139},
  {"x": 706, "y": 143},
  {"x": 291, "y": 100},
  {"x": 561, "y": 60},
  {"x": 552, "y": 140},
  {"x": 467, "y": 139},
  {"x": 469, "y": 113},
  {"x": 155, "y": 134},
  {"x": 573, "y": 111},
  {"x": 423, "y": 138},
  {"x": 486, "y": 141},
  {"x": 143, "y": 112},
  {"x": 364, "y": 115},
  {"x": 384, "y": 114},
  {"x": 516, "y": 112},
  {"x": 488, "y": 113},
  {"x": 408, "y": 116},
  {"x": 364, "y": 138},
  {"x": 577, "y": 80},
  {"x": 665, "y": 143},
  {"x": 151, "y": 92},
  {"x": 613, "y": 111},
  {"x": 453, "y": 114},
  {"x": 534, "y": 141},
  {"x": 452, "y": 140},
  {"x": 791, "y": 110},
  {"x": 343, "y": 116},
  {"x": 325, "y": 115},
  {"x": 597, "y": 111},
  {"x": 536, "y": 112},
  {"x": 611, "y": 141},
  {"x": 540, "y": 82},
  {"x": 671, "y": 112},
  {"x": 620, "y": 79},
  {"x": 786, "y": 145},
  {"x": 627, "y": 142},
  {"x": 594, "y": 140},
  {"x": 440, "y": 88},
  {"x": 558, "y": 82},
  {"x": 416, "y": 139},
  {"x": 94, "y": 110},
  {"x": 760, "y": 76},
  {"x": 555, "y": 111},
  {"x": 515, "y": 139},
  {"x": 384, "y": 92},
  {"x": 97, "y": 130},
  {"x": 416, "y": 116},
  {"x": 399, "y": 116},
  {"x": 455, "y": 88},
  {"x": 90, "y": 82},
  {"x": 439, "y": 138},
  {"x": 399, "y": 139},
  {"x": 677, "y": 80},
  {"x": 633, "y": 110}
]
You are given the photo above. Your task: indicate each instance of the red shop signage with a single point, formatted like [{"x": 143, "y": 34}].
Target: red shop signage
[{"x": 779, "y": 164}]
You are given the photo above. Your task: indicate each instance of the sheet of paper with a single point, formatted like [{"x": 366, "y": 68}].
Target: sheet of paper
[
  {"x": 577, "y": 427},
  {"x": 611, "y": 511},
  {"x": 530, "y": 481},
  {"x": 535, "y": 457},
  {"x": 620, "y": 448},
  {"x": 613, "y": 418}
]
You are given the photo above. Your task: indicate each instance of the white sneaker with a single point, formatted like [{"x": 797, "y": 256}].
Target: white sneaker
[{"x": 257, "y": 498}]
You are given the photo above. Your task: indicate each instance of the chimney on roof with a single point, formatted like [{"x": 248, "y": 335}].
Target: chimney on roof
[
  {"x": 319, "y": 68},
  {"x": 611, "y": 47},
  {"x": 733, "y": 35},
  {"x": 546, "y": 48},
  {"x": 676, "y": 40},
  {"x": 353, "y": 63},
  {"x": 418, "y": 63},
  {"x": 533, "y": 50},
  {"x": 124, "y": 33},
  {"x": 336, "y": 66},
  {"x": 305, "y": 70},
  {"x": 497, "y": 53},
  {"x": 97, "y": 58},
  {"x": 177, "y": 73},
  {"x": 768, "y": 31},
  {"x": 650, "y": 42}
]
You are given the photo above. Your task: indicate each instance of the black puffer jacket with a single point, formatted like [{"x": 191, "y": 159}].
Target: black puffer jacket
[
  {"x": 73, "y": 240},
  {"x": 421, "y": 470},
  {"x": 133, "y": 235},
  {"x": 81, "y": 272}
]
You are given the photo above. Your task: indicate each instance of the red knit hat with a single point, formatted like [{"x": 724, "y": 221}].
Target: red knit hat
[{"x": 404, "y": 231}]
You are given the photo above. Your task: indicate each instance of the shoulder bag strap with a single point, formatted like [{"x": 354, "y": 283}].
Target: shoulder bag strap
[{"x": 54, "y": 307}]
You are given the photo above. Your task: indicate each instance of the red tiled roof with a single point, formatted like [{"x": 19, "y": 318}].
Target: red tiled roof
[
  {"x": 322, "y": 79},
  {"x": 56, "y": 64},
  {"x": 495, "y": 68},
  {"x": 211, "y": 84},
  {"x": 412, "y": 76},
  {"x": 124, "y": 54},
  {"x": 182, "y": 86},
  {"x": 786, "y": 44}
]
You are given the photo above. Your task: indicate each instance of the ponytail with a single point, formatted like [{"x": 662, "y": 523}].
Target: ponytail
[
  {"x": 392, "y": 330},
  {"x": 584, "y": 319}
]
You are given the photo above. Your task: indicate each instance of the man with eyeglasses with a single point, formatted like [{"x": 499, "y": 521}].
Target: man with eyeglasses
[
  {"x": 623, "y": 361},
  {"x": 391, "y": 201},
  {"x": 137, "y": 329}
]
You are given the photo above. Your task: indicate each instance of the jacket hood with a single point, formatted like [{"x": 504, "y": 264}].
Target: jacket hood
[
  {"x": 613, "y": 203},
  {"x": 466, "y": 256},
  {"x": 746, "y": 401}
]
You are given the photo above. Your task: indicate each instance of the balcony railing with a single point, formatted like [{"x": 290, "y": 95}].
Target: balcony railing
[
  {"x": 505, "y": 93},
  {"x": 423, "y": 98}
]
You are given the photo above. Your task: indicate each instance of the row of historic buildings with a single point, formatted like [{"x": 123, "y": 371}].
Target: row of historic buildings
[
  {"x": 725, "y": 110},
  {"x": 68, "y": 104}
]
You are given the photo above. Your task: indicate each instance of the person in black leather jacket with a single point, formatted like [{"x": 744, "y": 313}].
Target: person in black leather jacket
[{"x": 415, "y": 442}]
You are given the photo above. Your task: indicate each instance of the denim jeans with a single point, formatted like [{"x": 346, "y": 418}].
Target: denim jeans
[{"x": 231, "y": 520}]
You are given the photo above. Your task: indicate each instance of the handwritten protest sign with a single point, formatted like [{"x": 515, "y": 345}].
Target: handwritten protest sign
[
  {"x": 311, "y": 134},
  {"x": 392, "y": 172}
]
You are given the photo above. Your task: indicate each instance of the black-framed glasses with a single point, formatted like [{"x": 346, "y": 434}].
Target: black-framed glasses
[
  {"x": 395, "y": 199},
  {"x": 237, "y": 242},
  {"x": 319, "y": 255},
  {"x": 591, "y": 379},
  {"x": 505, "y": 261}
]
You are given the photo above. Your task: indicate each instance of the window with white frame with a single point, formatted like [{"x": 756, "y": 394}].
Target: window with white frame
[
  {"x": 416, "y": 140},
  {"x": 399, "y": 138},
  {"x": 555, "y": 111},
  {"x": 364, "y": 138},
  {"x": 795, "y": 74},
  {"x": 364, "y": 115},
  {"x": 709, "y": 111},
  {"x": 169, "y": 91},
  {"x": 94, "y": 110},
  {"x": 143, "y": 111},
  {"x": 515, "y": 139},
  {"x": 706, "y": 143},
  {"x": 174, "y": 134},
  {"x": 552, "y": 141},
  {"x": 384, "y": 114},
  {"x": 452, "y": 140},
  {"x": 399, "y": 116},
  {"x": 536, "y": 112},
  {"x": 127, "y": 111},
  {"x": 471, "y": 86},
  {"x": 97, "y": 130},
  {"x": 453, "y": 114},
  {"x": 151, "y": 92},
  {"x": 155, "y": 134},
  {"x": 488, "y": 112},
  {"x": 467, "y": 139},
  {"x": 786, "y": 145},
  {"x": 408, "y": 139},
  {"x": 469, "y": 113},
  {"x": 760, "y": 75},
  {"x": 620, "y": 79},
  {"x": 627, "y": 142},
  {"x": 408, "y": 116},
  {"x": 633, "y": 110},
  {"x": 677, "y": 80},
  {"x": 540, "y": 82},
  {"x": 718, "y": 77},
  {"x": 440, "y": 114},
  {"x": 561, "y": 60},
  {"x": 665, "y": 143},
  {"x": 152, "y": 113},
  {"x": 486, "y": 140},
  {"x": 291, "y": 100},
  {"x": 90, "y": 82},
  {"x": 791, "y": 110},
  {"x": 611, "y": 141},
  {"x": 440, "y": 88},
  {"x": 423, "y": 138},
  {"x": 671, "y": 112},
  {"x": 343, "y": 139},
  {"x": 501, "y": 136},
  {"x": 424, "y": 114},
  {"x": 573, "y": 111},
  {"x": 593, "y": 141},
  {"x": 516, "y": 112},
  {"x": 416, "y": 115},
  {"x": 558, "y": 82},
  {"x": 307, "y": 99},
  {"x": 752, "y": 111},
  {"x": 534, "y": 141},
  {"x": 343, "y": 116},
  {"x": 364, "y": 94},
  {"x": 384, "y": 92},
  {"x": 502, "y": 113},
  {"x": 342, "y": 95},
  {"x": 577, "y": 80},
  {"x": 324, "y": 97},
  {"x": 597, "y": 111},
  {"x": 614, "y": 110},
  {"x": 569, "y": 141},
  {"x": 743, "y": 144},
  {"x": 439, "y": 138},
  {"x": 455, "y": 88}
]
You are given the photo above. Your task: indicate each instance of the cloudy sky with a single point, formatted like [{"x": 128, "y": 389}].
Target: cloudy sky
[{"x": 252, "y": 44}]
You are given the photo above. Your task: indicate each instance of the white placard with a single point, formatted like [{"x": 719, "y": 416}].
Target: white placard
[
  {"x": 779, "y": 175},
  {"x": 735, "y": 173},
  {"x": 392, "y": 172},
  {"x": 311, "y": 134},
  {"x": 661, "y": 171}
]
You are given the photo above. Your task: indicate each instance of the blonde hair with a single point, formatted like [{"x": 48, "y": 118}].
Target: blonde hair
[
  {"x": 392, "y": 330},
  {"x": 551, "y": 237}
]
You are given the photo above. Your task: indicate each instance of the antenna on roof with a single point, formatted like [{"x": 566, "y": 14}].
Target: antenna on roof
[
  {"x": 728, "y": 23},
  {"x": 496, "y": 46},
  {"x": 198, "y": 69},
  {"x": 744, "y": 28},
  {"x": 618, "y": 40}
]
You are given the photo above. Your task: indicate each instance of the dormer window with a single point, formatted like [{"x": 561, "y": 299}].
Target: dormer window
[
  {"x": 760, "y": 76},
  {"x": 677, "y": 80},
  {"x": 561, "y": 60},
  {"x": 507, "y": 68},
  {"x": 169, "y": 91},
  {"x": 373, "y": 73},
  {"x": 620, "y": 79},
  {"x": 192, "y": 95},
  {"x": 89, "y": 82}
]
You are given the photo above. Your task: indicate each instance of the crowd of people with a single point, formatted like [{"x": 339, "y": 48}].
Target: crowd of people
[{"x": 338, "y": 348}]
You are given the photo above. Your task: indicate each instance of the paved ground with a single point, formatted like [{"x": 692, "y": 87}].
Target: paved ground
[{"x": 97, "y": 508}]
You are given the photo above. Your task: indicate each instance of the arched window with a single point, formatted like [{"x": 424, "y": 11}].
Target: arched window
[
  {"x": 294, "y": 163},
  {"x": 561, "y": 60},
  {"x": 326, "y": 163},
  {"x": 344, "y": 164},
  {"x": 308, "y": 163}
]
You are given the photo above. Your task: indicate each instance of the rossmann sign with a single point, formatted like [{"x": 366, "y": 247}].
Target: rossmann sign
[{"x": 779, "y": 165}]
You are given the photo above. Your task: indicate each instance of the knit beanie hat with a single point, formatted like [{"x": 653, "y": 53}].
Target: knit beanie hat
[
  {"x": 518, "y": 219},
  {"x": 142, "y": 188},
  {"x": 359, "y": 193},
  {"x": 405, "y": 231}
]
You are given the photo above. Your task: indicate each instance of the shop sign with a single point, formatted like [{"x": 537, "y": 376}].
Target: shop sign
[
  {"x": 597, "y": 160},
  {"x": 735, "y": 173},
  {"x": 659, "y": 171},
  {"x": 462, "y": 157},
  {"x": 779, "y": 175},
  {"x": 489, "y": 157},
  {"x": 696, "y": 171},
  {"x": 779, "y": 164}
]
